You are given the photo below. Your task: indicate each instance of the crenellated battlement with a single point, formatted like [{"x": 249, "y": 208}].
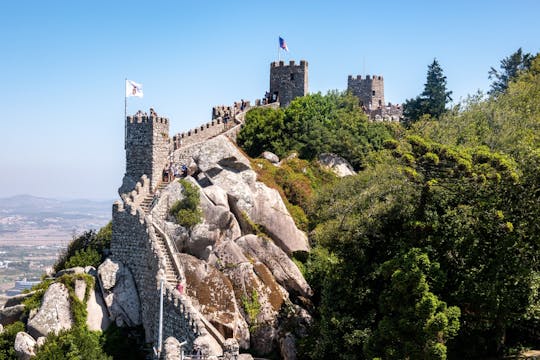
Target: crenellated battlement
[
  {"x": 368, "y": 77},
  {"x": 303, "y": 63},
  {"x": 288, "y": 81},
  {"x": 145, "y": 119}
]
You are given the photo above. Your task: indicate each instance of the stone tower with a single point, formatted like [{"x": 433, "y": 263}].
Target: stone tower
[
  {"x": 370, "y": 91},
  {"x": 147, "y": 148},
  {"x": 288, "y": 81}
]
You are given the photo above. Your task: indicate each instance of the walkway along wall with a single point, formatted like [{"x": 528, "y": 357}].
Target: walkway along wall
[{"x": 135, "y": 244}]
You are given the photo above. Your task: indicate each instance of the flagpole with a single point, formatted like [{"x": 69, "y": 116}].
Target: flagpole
[
  {"x": 125, "y": 113},
  {"x": 278, "y": 52}
]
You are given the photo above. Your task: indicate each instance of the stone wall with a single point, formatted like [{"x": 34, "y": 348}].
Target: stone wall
[
  {"x": 147, "y": 146},
  {"x": 288, "y": 81},
  {"x": 370, "y": 90},
  {"x": 202, "y": 133},
  {"x": 134, "y": 243},
  {"x": 221, "y": 111}
]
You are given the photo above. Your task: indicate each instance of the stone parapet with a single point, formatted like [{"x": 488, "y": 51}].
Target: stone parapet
[{"x": 135, "y": 244}]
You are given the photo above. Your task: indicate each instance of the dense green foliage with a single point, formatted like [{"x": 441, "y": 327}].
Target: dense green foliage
[
  {"x": 86, "y": 249},
  {"x": 431, "y": 251},
  {"x": 433, "y": 99},
  {"x": 187, "y": 211},
  {"x": 74, "y": 344},
  {"x": 7, "y": 338},
  {"x": 312, "y": 125}
]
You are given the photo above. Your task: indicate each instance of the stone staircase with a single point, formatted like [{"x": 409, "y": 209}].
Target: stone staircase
[
  {"x": 170, "y": 272},
  {"x": 146, "y": 204}
]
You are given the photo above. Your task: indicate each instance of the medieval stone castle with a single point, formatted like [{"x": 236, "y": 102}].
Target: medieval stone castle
[{"x": 140, "y": 237}]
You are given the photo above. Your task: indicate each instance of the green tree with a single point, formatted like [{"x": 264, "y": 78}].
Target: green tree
[
  {"x": 510, "y": 68},
  {"x": 433, "y": 99},
  {"x": 263, "y": 130},
  {"x": 314, "y": 124},
  {"x": 415, "y": 324}
]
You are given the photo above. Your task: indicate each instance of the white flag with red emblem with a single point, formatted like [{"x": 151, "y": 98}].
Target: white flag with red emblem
[{"x": 133, "y": 89}]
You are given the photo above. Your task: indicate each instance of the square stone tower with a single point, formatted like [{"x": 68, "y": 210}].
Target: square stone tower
[
  {"x": 288, "y": 81},
  {"x": 147, "y": 147},
  {"x": 370, "y": 91}
]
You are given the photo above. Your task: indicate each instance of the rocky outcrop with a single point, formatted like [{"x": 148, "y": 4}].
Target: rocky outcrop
[
  {"x": 9, "y": 315},
  {"x": 54, "y": 314},
  {"x": 120, "y": 293},
  {"x": 215, "y": 298},
  {"x": 336, "y": 164},
  {"x": 287, "y": 347},
  {"x": 17, "y": 299},
  {"x": 98, "y": 317},
  {"x": 222, "y": 165},
  {"x": 24, "y": 346},
  {"x": 80, "y": 289},
  {"x": 206, "y": 346},
  {"x": 71, "y": 271},
  {"x": 282, "y": 267},
  {"x": 270, "y": 156},
  {"x": 259, "y": 296}
]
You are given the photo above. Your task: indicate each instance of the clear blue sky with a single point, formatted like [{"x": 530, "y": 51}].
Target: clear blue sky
[{"x": 63, "y": 65}]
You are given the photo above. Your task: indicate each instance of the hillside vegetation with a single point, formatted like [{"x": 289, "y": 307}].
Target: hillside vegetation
[{"x": 432, "y": 250}]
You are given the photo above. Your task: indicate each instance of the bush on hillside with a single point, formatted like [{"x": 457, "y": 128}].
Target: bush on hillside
[
  {"x": 187, "y": 211},
  {"x": 85, "y": 249}
]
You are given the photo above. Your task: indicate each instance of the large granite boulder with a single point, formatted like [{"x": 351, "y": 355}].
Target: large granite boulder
[
  {"x": 251, "y": 201},
  {"x": 54, "y": 314},
  {"x": 9, "y": 315},
  {"x": 257, "y": 292},
  {"x": 270, "y": 156},
  {"x": 218, "y": 224},
  {"x": 336, "y": 164},
  {"x": 282, "y": 267},
  {"x": 206, "y": 346},
  {"x": 98, "y": 316},
  {"x": 215, "y": 298},
  {"x": 24, "y": 346},
  {"x": 120, "y": 293}
]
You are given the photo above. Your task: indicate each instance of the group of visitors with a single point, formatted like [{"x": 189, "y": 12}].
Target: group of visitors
[{"x": 172, "y": 171}]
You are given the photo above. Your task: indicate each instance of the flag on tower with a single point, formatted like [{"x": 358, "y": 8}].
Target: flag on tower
[
  {"x": 283, "y": 44},
  {"x": 133, "y": 89}
]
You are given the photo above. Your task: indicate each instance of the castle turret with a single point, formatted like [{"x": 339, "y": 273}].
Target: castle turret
[
  {"x": 369, "y": 90},
  {"x": 147, "y": 147},
  {"x": 288, "y": 81}
]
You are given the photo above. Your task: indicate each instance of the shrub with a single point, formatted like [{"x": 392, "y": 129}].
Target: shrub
[
  {"x": 89, "y": 239},
  {"x": 84, "y": 257},
  {"x": 7, "y": 338},
  {"x": 252, "y": 308},
  {"x": 187, "y": 211},
  {"x": 74, "y": 344}
]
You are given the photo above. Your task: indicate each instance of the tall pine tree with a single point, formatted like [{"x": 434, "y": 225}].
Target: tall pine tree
[
  {"x": 510, "y": 66},
  {"x": 433, "y": 99}
]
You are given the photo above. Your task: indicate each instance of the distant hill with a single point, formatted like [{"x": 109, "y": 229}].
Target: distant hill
[{"x": 31, "y": 219}]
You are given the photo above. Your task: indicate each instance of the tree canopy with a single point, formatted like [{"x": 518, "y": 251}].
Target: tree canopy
[
  {"x": 433, "y": 99},
  {"x": 510, "y": 68},
  {"x": 431, "y": 250}
]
